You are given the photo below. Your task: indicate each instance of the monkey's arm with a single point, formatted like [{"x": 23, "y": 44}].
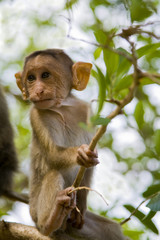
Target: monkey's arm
[
  {"x": 85, "y": 158},
  {"x": 57, "y": 156},
  {"x": 74, "y": 155}
]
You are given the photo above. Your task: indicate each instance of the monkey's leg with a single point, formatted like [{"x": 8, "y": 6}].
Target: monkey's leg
[
  {"x": 52, "y": 183},
  {"x": 77, "y": 218},
  {"x": 96, "y": 228}
]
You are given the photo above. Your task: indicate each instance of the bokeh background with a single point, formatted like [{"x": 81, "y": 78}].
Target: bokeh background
[{"x": 129, "y": 152}]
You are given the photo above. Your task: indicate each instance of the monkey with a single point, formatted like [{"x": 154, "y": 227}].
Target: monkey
[
  {"x": 8, "y": 156},
  {"x": 60, "y": 146}
]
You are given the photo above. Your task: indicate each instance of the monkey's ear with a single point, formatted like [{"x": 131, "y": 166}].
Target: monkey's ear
[
  {"x": 18, "y": 77},
  {"x": 81, "y": 73}
]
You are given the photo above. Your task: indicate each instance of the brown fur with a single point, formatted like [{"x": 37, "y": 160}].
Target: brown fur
[
  {"x": 8, "y": 157},
  {"x": 58, "y": 147}
]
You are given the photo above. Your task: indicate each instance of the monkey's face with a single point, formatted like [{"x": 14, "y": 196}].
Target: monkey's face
[{"x": 46, "y": 81}]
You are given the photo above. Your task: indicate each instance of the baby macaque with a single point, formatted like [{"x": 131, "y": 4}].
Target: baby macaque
[{"x": 60, "y": 147}]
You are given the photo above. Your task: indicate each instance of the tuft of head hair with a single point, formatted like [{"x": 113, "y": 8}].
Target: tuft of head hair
[{"x": 58, "y": 54}]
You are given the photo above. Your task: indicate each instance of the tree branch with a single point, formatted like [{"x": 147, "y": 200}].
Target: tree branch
[
  {"x": 124, "y": 102},
  {"x": 112, "y": 100},
  {"x": 17, "y": 231},
  {"x": 16, "y": 196}
]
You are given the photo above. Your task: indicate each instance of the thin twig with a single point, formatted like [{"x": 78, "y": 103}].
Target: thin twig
[
  {"x": 135, "y": 30},
  {"x": 152, "y": 76},
  {"x": 151, "y": 34},
  {"x": 102, "y": 46},
  {"x": 136, "y": 209},
  {"x": 69, "y": 20},
  {"x": 112, "y": 100},
  {"x": 89, "y": 189}
]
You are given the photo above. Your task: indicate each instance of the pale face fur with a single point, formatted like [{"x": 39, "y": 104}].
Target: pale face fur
[{"x": 44, "y": 78}]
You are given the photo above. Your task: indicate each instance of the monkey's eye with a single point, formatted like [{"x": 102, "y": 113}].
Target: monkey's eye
[
  {"x": 31, "y": 78},
  {"x": 45, "y": 75}
]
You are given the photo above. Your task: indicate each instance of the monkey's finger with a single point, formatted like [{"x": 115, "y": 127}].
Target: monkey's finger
[
  {"x": 83, "y": 158},
  {"x": 70, "y": 200},
  {"x": 87, "y": 154},
  {"x": 88, "y": 162},
  {"x": 63, "y": 201},
  {"x": 73, "y": 200},
  {"x": 65, "y": 191},
  {"x": 89, "y": 158},
  {"x": 91, "y": 153},
  {"x": 93, "y": 161},
  {"x": 82, "y": 153},
  {"x": 81, "y": 161},
  {"x": 85, "y": 148},
  {"x": 71, "y": 195},
  {"x": 72, "y": 216},
  {"x": 78, "y": 223},
  {"x": 76, "y": 219},
  {"x": 68, "y": 190}
]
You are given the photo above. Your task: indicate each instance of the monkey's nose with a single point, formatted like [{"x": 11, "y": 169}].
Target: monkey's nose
[{"x": 39, "y": 92}]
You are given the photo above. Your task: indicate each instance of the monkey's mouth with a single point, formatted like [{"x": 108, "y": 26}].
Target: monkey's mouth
[
  {"x": 42, "y": 100},
  {"x": 46, "y": 103}
]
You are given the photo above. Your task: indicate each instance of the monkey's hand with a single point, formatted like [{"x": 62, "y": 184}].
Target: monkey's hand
[
  {"x": 64, "y": 204},
  {"x": 86, "y": 157},
  {"x": 76, "y": 219},
  {"x": 66, "y": 201}
]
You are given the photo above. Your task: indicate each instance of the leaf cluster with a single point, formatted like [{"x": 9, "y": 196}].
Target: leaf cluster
[{"x": 124, "y": 53}]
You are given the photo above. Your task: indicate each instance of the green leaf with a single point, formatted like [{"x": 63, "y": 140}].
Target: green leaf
[
  {"x": 2, "y": 213},
  {"x": 86, "y": 127},
  {"x": 122, "y": 83},
  {"x": 97, "y": 53},
  {"x": 151, "y": 190},
  {"x": 102, "y": 87},
  {"x": 154, "y": 203},
  {"x": 141, "y": 216},
  {"x": 124, "y": 64},
  {"x": 156, "y": 175},
  {"x": 96, "y": 120},
  {"x": 147, "y": 49},
  {"x": 145, "y": 81},
  {"x": 157, "y": 141},
  {"x": 70, "y": 3},
  {"x": 95, "y": 3},
  {"x": 100, "y": 36},
  {"x": 150, "y": 215},
  {"x": 140, "y": 10},
  {"x": 139, "y": 114},
  {"x": 111, "y": 60},
  {"x": 22, "y": 130},
  {"x": 133, "y": 234}
]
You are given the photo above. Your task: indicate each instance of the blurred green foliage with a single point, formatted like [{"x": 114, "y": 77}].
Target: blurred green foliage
[{"x": 111, "y": 54}]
